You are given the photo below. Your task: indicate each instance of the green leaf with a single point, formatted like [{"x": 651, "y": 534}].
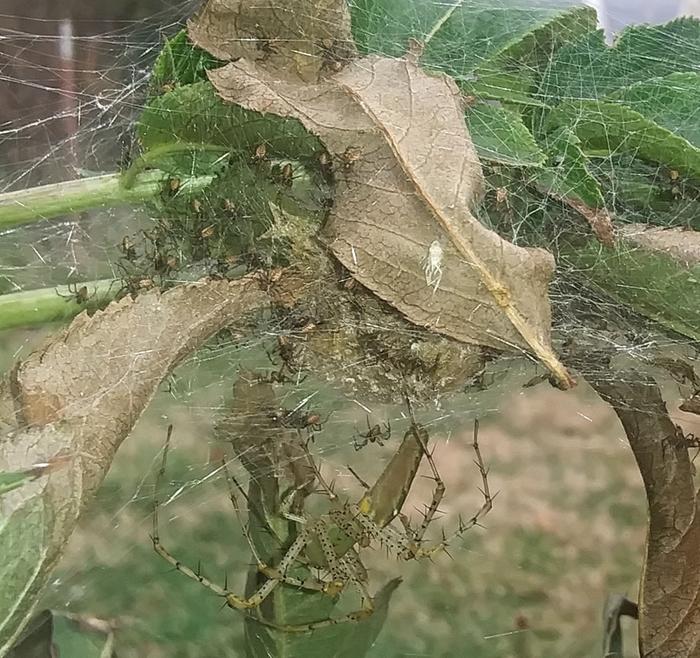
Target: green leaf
[
  {"x": 11, "y": 481},
  {"x": 499, "y": 135},
  {"x": 385, "y": 26},
  {"x": 590, "y": 69},
  {"x": 22, "y": 546},
  {"x": 672, "y": 102},
  {"x": 512, "y": 74},
  {"x": 344, "y": 640},
  {"x": 25, "y": 543},
  {"x": 51, "y": 634},
  {"x": 566, "y": 175},
  {"x": 180, "y": 62},
  {"x": 474, "y": 33},
  {"x": 609, "y": 128},
  {"x": 36, "y": 639},
  {"x": 533, "y": 50},
  {"x": 196, "y": 115},
  {"x": 512, "y": 88},
  {"x": 652, "y": 283}
]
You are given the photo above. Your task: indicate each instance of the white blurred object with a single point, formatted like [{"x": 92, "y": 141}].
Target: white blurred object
[
  {"x": 614, "y": 15},
  {"x": 600, "y": 10},
  {"x": 690, "y": 8}
]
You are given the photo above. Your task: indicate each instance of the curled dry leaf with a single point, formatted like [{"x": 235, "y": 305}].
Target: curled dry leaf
[
  {"x": 267, "y": 450},
  {"x": 299, "y": 38},
  {"x": 669, "y": 606},
  {"x": 598, "y": 219},
  {"x": 75, "y": 401},
  {"x": 406, "y": 177},
  {"x": 680, "y": 244}
]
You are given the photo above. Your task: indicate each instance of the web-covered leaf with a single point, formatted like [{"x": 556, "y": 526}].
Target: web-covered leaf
[
  {"x": 671, "y": 102},
  {"x": 607, "y": 128},
  {"x": 567, "y": 174},
  {"x": 526, "y": 74},
  {"x": 499, "y": 135},
  {"x": 482, "y": 290},
  {"x": 195, "y": 114},
  {"x": 590, "y": 69},
  {"x": 180, "y": 62},
  {"x": 75, "y": 401},
  {"x": 293, "y": 37},
  {"x": 654, "y": 271},
  {"x": 513, "y": 72},
  {"x": 474, "y": 33},
  {"x": 567, "y": 177}
]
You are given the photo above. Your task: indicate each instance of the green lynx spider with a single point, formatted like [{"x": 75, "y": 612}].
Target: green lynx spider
[{"x": 328, "y": 542}]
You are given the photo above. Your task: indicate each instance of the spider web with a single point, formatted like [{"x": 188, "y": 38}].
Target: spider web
[{"x": 570, "y": 504}]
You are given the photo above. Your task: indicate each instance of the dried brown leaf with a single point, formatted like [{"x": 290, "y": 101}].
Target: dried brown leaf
[
  {"x": 678, "y": 243},
  {"x": 669, "y": 606},
  {"x": 407, "y": 176},
  {"x": 297, "y": 37},
  {"x": 267, "y": 450},
  {"x": 691, "y": 405},
  {"x": 77, "y": 399},
  {"x": 599, "y": 220}
]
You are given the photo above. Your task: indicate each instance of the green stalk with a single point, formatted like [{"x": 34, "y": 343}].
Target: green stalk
[
  {"x": 45, "y": 305},
  {"x": 157, "y": 153},
  {"x": 46, "y": 201}
]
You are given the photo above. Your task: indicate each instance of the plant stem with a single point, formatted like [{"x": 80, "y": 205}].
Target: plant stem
[
  {"x": 45, "y": 305},
  {"x": 46, "y": 201},
  {"x": 156, "y": 154}
]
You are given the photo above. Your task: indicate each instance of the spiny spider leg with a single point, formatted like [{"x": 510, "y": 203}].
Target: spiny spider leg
[
  {"x": 352, "y": 524},
  {"x": 328, "y": 489},
  {"x": 356, "y": 615},
  {"x": 463, "y": 525},
  {"x": 263, "y": 567},
  {"x": 304, "y": 537},
  {"x": 438, "y": 493},
  {"x": 232, "y": 600}
]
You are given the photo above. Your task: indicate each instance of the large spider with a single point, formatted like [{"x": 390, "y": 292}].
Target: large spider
[
  {"x": 331, "y": 542},
  {"x": 374, "y": 434},
  {"x": 299, "y": 419},
  {"x": 78, "y": 295},
  {"x": 289, "y": 352}
]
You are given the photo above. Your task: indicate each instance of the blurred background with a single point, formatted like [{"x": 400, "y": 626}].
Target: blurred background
[{"x": 568, "y": 523}]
